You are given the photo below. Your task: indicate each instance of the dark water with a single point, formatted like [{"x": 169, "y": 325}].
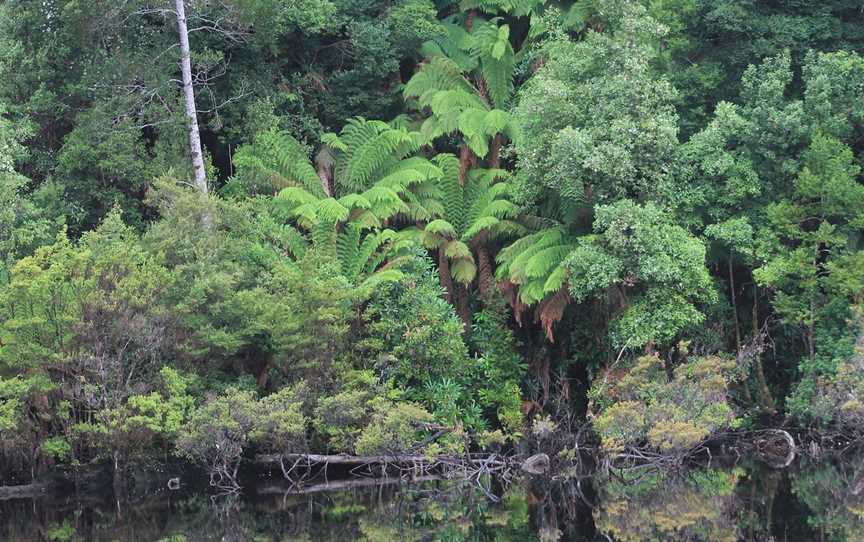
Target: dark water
[{"x": 808, "y": 501}]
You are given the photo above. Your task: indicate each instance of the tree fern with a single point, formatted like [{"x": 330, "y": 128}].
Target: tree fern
[
  {"x": 497, "y": 60},
  {"x": 276, "y": 160},
  {"x": 535, "y": 263},
  {"x": 444, "y": 85},
  {"x": 517, "y": 8}
]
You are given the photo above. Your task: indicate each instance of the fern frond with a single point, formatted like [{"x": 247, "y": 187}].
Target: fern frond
[
  {"x": 463, "y": 271},
  {"x": 441, "y": 227},
  {"x": 329, "y": 210},
  {"x": 454, "y": 45},
  {"x": 355, "y": 201},
  {"x": 556, "y": 280},
  {"x": 439, "y": 74},
  {"x": 334, "y": 142},
  {"x": 456, "y": 250},
  {"x": 278, "y": 160},
  {"x": 347, "y": 242},
  {"x": 531, "y": 292},
  {"x": 471, "y": 123},
  {"x": 496, "y": 122},
  {"x": 370, "y": 283},
  {"x": 483, "y": 223},
  {"x": 497, "y": 60},
  {"x": 545, "y": 261}
]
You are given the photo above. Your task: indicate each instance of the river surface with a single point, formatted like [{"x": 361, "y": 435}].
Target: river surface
[{"x": 809, "y": 501}]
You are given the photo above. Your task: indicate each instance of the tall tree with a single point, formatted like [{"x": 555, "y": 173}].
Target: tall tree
[{"x": 199, "y": 171}]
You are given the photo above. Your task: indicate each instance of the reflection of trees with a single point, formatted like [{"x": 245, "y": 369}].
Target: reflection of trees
[
  {"x": 834, "y": 495},
  {"x": 440, "y": 511},
  {"x": 658, "y": 506}
]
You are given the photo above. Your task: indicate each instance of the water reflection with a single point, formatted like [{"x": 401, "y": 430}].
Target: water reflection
[{"x": 810, "y": 501}]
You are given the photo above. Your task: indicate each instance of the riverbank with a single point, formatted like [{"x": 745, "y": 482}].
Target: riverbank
[{"x": 725, "y": 498}]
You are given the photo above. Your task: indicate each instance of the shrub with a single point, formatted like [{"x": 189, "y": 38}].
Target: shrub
[
  {"x": 642, "y": 406},
  {"x": 280, "y": 425},
  {"x": 832, "y": 396},
  {"x": 394, "y": 429},
  {"x": 341, "y": 417},
  {"x": 218, "y": 432}
]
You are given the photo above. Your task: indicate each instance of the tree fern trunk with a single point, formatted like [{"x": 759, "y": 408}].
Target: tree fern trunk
[
  {"x": 463, "y": 308},
  {"x": 495, "y": 152},
  {"x": 445, "y": 277},
  {"x": 469, "y": 20},
  {"x": 485, "y": 275},
  {"x": 466, "y": 161}
]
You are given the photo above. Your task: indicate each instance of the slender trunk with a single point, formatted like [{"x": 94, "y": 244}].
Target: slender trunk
[
  {"x": 765, "y": 397},
  {"x": 324, "y": 168},
  {"x": 485, "y": 276},
  {"x": 734, "y": 305},
  {"x": 324, "y": 175},
  {"x": 263, "y": 375},
  {"x": 189, "y": 99}
]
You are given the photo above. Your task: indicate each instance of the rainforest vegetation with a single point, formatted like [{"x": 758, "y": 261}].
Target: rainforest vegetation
[{"x": 231, "y": 227}]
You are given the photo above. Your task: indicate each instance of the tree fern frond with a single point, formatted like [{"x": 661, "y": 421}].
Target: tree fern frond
[
  {"x": 496, "y": 122},
  {"x": 454, "y": 45},
  {"x": 334, "y": 142},
  {"x": 370, "y": 283},
  {"x": 555, "y": 280},
  {"x": 545, "y": 261},
  {"x": 278, "y": 160},
  {"x": 329, "y": 210},
  {"x": 463, "y": 271},
  {"x": 456, "y": 250},
  {"x": 347, "y": 242},
  {"x": 497, "y": 60},
  {"x": 531, "y": 292},
  {"x": 441, "y": 227},
  {"x": 355, "y": 201},
  {"x": 365, "y": 219},
  {"x": 517, "y": 8},
  {"x": 481, "y": 224},
  {"x": 471, "y": 123},
  {"x": 439, "y": 74}
]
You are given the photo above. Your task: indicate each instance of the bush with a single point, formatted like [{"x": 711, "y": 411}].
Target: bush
[
  {"x": 218, "y": 432},
  {"x": 394, "y": 429},
  {"x": 340, "y": 418},
  {"x": 642, "y": 406},
  {"x": 833, "y": 396},
  {"x": 280, "y": 425}
]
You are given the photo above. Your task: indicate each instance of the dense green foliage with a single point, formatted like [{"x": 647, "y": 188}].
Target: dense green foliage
[{"x": 424, "y": 222}]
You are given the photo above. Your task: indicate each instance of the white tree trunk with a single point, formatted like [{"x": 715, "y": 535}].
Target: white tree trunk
[{"x": 189, "y": 97}]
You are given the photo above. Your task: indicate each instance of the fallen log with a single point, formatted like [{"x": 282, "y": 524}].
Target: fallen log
[
  {"x": 391, "y": 459},
  {"x": 339, "y": 485}
]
